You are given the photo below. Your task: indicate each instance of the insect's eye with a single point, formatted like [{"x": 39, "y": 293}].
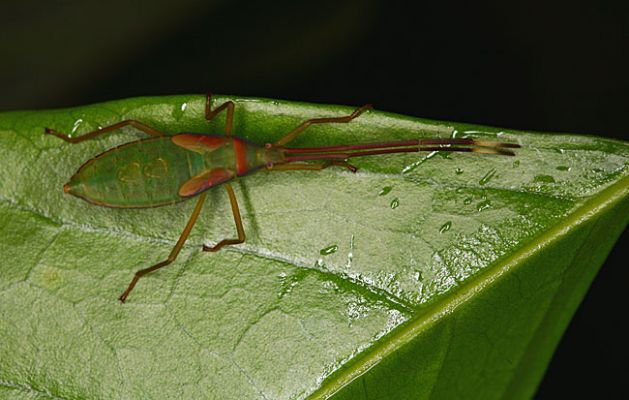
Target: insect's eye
[
  {"x": 269, "y": 165},
  {"x": 268, "y": 146}
]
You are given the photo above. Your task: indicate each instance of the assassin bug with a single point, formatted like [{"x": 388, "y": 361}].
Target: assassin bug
[{"x": 163, "y": 169}]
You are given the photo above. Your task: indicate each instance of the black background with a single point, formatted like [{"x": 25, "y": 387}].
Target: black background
[{"x": 549, "y": 67}]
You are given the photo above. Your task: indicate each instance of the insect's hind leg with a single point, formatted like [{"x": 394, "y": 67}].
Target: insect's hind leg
[
  {"x": 174, "y": 252},
  {"x": 228, "y": 105},
  {"x": 91, "y": 135},
  {"x": 237, "y": 219},
  {"x": 295, "y": 132}
]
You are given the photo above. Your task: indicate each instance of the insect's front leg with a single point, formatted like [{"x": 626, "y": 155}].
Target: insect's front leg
[
  {"x": 91, "y": 135},
  {"x": 295, "y": 132},
  {"x": 228, "y": 105}
]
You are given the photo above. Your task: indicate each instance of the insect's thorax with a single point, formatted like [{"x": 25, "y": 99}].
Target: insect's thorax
[
  {"x": 228, "y": 152},
  {"x": 221, "y": 157},
  {"x": 242, "y": 156},
  {"x": 235, "y": 154}
]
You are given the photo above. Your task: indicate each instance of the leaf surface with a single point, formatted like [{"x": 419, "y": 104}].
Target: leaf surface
[{"x": 422, "y": 275}]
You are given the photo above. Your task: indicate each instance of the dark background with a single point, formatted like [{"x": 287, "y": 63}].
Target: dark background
[{"x": 553, "y": 67}]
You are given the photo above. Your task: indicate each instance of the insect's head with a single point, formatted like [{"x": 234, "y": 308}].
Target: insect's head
[{"x": 269, "y": 155}]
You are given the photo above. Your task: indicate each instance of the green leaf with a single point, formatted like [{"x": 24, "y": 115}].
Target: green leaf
[{"x": 422, "y": 275}]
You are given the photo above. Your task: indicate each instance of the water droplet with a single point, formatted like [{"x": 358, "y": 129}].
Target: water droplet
[
  {"x": 395, "y": 203},
  {"x": 76, "y": 125},
  {"x": 490, "y": 174},
  {"x": 178, "y": 111},
  {"x": 483, "y": 205},
  {"x": 319, "y": 264},
  {"x": 544, "y": 179},
  {"x": 416, "y": 164},
  {"x": 516, "y": 163},
  {"x": 467, "y": 201},
  {"x": 329, "y": 250},
  {"x": 288, "y": 282},
  {"x": 385, "y": 190},
  {"x": 356, "y": 310},
  {"x": 563, "y": 168},
  {"x": 350, "y": 254},
  {"x": 419, "y": 276},
  {"x": 458, "y": 171},
  {"x": 445, "y": 227},
  {"x": 560, "y": 151},
  {"x": 459, "y": 190}
]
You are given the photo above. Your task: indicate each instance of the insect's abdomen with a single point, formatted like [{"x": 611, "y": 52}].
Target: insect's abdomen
[{"x": 145, "y": 173}]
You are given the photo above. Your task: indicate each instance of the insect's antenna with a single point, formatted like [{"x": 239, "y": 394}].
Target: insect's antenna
[
  {"x": 405, "y": 143},
  {"x": 402, "y": 146}
]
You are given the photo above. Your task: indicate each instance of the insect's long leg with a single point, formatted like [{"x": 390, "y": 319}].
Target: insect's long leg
[
  {"x": 174, "y": 252},
  {"x": 313, "y": 167},
  {"x": 209, "y": 113},
  {"x": 91, "y": 135},
  {"x": 295, "y": 132},
  {"x": 237, "y": 219}
]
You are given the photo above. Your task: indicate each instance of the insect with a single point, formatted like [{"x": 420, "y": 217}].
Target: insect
[{"x": 166, "y": 169}]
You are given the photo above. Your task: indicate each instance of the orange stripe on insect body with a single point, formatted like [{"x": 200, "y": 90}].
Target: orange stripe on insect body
[
  {"x": 240, "y": 149},
  {"x": 200, "y": 143},
  {"x": 205, "y": 181}
]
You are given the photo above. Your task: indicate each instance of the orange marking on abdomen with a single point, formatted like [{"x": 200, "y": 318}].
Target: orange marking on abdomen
[
  {"x": 240, "y": 148},
  {"x": 198, "y": 142}
]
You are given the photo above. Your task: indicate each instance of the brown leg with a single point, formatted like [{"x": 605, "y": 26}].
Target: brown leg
[
  {"x": 90, "y": 135},
  {"x": 209, "y": 113},
  {"x": 295, "y": 132},
  {"x": 237, "y": 219},
  {"x": 313, "y": 167},
  {"x": 174, "y": 252}
]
